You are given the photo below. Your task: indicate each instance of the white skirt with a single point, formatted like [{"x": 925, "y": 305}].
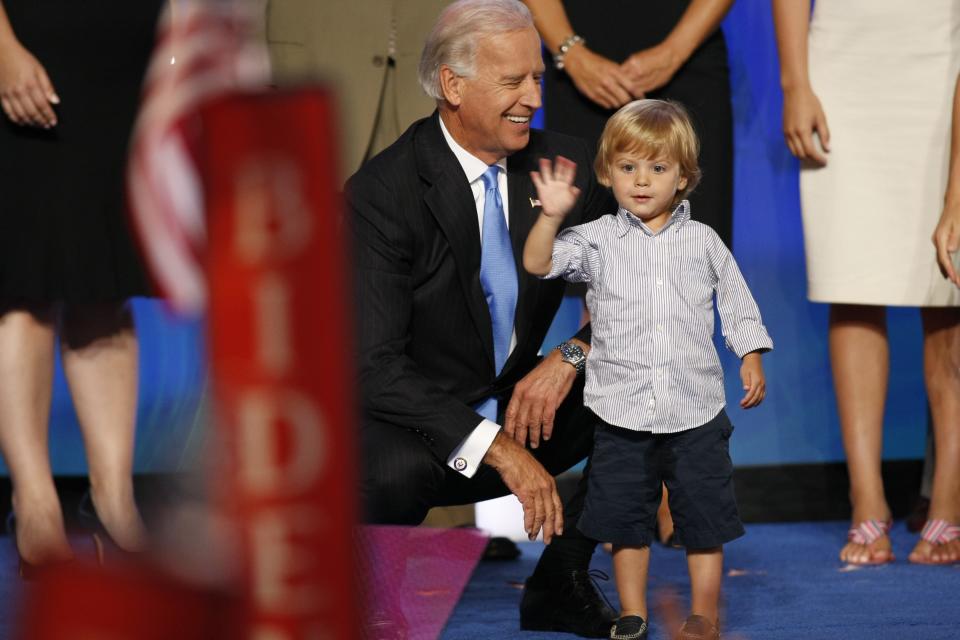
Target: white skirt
[{"x": 885, "y": 72}]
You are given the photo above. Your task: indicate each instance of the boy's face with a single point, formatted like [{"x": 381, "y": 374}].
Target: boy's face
[{"x": 646, "y": 187}]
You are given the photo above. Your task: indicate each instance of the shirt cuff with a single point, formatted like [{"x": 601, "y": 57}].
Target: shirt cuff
[
  {"x": 749, "y": 340},
  {"x": 467, "y": 457}
]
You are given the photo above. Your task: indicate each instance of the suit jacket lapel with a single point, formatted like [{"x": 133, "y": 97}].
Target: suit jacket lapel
[{"x": 451, "y": 202}]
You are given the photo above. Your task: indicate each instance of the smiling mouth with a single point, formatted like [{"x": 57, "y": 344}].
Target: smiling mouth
[{"x": 518, "y": 119}]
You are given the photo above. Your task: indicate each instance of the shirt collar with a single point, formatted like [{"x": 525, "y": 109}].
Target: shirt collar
[
  {"x": 472, "y": 166},
  {"x": 626, "y": 220}
]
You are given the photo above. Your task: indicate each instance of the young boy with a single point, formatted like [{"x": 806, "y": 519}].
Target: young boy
[{"x": 654, "y": 381}]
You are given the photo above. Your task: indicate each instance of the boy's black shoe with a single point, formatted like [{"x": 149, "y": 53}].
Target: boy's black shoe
[
  {"x": 629, "y": 628},
  {"x": 566, "y": 602}
]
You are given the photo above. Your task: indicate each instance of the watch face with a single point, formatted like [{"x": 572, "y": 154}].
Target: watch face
[{"x": 572, "y": 353}]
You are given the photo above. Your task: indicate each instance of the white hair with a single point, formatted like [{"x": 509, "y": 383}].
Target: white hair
[{"x": 459, "y": 28}]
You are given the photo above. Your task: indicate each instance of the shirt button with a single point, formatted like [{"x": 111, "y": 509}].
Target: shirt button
[
  {"x": 659, "y": 282},
  {"x": 659, "y": 327},
  {"x": 660, "y": 375},
  {"x": 652, "y": 402}
]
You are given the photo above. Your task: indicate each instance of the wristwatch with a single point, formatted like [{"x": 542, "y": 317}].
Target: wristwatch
[{"x": 572, "y": 353}]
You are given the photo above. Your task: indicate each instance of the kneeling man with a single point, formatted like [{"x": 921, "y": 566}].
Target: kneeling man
[{"x": 457, "y": 405}]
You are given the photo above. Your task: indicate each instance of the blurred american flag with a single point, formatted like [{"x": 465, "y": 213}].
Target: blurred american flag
[{"x": 205, "y": 49}]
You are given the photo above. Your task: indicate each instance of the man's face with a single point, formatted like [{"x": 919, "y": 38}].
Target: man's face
[{"x": 493, "y": 109}]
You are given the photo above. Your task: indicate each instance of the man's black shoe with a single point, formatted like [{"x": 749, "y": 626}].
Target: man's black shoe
[
  {"x": 568, "y": 602},
  {"x": 501, "y": 549}
]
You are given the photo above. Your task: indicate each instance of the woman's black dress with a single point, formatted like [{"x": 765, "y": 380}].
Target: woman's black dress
[
  {"x": 616, "y": 29},
  {"x": 63, "y": 228}
]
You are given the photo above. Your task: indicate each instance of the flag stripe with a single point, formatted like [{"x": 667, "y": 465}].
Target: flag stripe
[{"x": 215, "y": 51}]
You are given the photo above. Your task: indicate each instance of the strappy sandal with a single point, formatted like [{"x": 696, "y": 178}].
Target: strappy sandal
[
  {"x": 868, "y": 532},
  {"x": 938, "y": 532}
]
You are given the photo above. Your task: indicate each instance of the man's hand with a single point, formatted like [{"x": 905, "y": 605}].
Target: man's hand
[
  {"x": 536, "y": 398},
  {"x": 536, "y": 489},
  {"x": 555, "y": 188},
  {"x": 946, "y": 239},
  {"x": 754, "y": 384}
]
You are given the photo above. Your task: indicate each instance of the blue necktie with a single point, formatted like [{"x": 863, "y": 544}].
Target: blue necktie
[{"x": 498, "y": 277}]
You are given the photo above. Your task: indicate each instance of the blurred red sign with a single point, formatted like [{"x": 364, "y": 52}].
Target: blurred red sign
[{"x": 281, "y": 356}]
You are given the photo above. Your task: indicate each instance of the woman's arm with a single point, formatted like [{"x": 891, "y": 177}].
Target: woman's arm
[
  {"x": 652, "y": 68},
  {"x": 802, "y": 113},
  {"x": 946, "y": 238},
  {"x": 598, "y": 78},
  {"x": 26, "y": 93}
]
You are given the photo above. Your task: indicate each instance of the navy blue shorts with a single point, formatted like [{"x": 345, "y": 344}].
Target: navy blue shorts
[{"x": 627, "y": 470}]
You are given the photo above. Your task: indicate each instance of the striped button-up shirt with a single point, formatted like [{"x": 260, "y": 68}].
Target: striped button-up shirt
[{"x": 652, "y": 364}]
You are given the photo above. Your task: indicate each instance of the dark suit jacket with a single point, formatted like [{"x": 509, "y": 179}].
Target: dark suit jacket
[{"x": 425, "y": 338}]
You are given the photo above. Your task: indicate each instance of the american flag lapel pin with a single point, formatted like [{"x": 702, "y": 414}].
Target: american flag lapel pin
[{"x": 534, "y": 202}]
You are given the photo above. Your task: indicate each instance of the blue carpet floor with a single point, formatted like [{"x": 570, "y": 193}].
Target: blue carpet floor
[{"x": 783, "y": 581}]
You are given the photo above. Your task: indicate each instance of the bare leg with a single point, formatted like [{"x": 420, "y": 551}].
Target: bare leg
[
  {"x": 26, "y": 380},
  {"x": 941, "y": 353},
  {"x": 630, "y": 565},
  {"x": 706, "y": 573},
  {"x": 859, "y": 355},
  {"x": 99, "y": 349}
]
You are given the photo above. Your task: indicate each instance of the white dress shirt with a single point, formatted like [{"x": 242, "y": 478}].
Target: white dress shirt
[
  {"x": 466, "y": 458},
  {"x": 652, "y": 364}
]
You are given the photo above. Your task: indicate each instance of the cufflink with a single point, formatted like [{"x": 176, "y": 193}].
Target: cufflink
[
  {"x": 460, "y": 464},
  {"x": 534, "y": 202}
]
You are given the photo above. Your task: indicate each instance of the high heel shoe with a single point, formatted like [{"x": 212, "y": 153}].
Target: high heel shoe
[
  {"x": 28, "y": 571},
  {"x": 89, "y": 520},
  {"x": 103, "y": 543},
  {"x": 25, "y": 570}
]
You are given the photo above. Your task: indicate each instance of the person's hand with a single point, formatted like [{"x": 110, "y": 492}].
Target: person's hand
[
  {"x": 754, "y": 384},
  {"x": 536, "y": 489},
  {"x": 535, "y": 400},
  {"x": 555, "y": 188},
  {"x": 802, "y": 116},
  {"x": 26, "y": 93},
  {"x": 650, "y": 69},
  {"x": 600, "y": 79},
  {"x": 946, "y": 239}
]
